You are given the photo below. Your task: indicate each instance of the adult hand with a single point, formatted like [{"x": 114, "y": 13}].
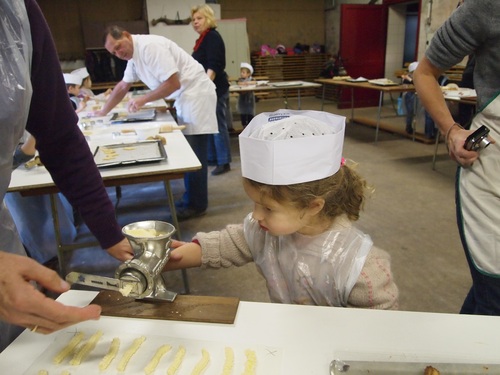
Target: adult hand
[
  {"x": 122, "y": 250},
  {"x": 135, "y": 104},
  {"x": 22, "y": 304},
  {"x": 456, "y": 141},
  {"x": 99, "y": 113}
]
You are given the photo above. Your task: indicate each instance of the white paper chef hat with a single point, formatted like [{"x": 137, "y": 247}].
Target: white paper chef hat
[
  {"x": 290, "y": 147},
  {"x": 81, "y": 72},
  {"x": 412, "y": 66},
  {"x": 247, "y": 66},
  {"x": 72, "y": 79}
]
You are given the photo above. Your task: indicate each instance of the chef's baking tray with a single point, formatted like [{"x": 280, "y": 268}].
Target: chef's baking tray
[
  {"x": 129, "y": 153},
  {"x": 339, "y": 367},
  {"x": 140, "y": 116}
]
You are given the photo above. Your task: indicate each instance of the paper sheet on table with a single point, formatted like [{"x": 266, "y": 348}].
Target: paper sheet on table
[{"x": 269, "y": 359}]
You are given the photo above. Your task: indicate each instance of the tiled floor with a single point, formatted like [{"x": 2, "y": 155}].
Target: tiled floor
[{"x": 410, "y": 214}]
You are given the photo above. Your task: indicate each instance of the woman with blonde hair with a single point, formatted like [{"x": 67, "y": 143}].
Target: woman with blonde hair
[{"x": 210, "y": 51}]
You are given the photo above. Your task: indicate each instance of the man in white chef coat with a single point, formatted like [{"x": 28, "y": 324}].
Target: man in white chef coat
[{"x": 169, "y": 72}]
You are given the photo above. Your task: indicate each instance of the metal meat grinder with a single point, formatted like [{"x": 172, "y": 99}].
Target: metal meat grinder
[{"x": 140, "y": 277}]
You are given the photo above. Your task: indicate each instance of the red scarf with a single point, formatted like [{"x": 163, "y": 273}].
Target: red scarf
[{"x": 200, "y": 39}]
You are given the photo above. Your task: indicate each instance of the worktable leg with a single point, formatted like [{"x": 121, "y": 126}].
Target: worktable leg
[
  {"x": 352, "y": 104},
  {"x": 380, "y": 101},
  {"x": 323, "y": 96},
  {"x": 414, "y": 119},
  {"x": 435, "y": 150},
  {"x": 175, "y": 221}
]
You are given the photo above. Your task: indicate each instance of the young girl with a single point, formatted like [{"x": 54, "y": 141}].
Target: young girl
[{"x": 300, "y": 233}]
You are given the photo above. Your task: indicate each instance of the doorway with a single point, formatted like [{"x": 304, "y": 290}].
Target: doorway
[{"x": 411, "y": 34}]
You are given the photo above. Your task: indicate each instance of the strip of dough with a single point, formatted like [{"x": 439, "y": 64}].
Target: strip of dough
[
  {"x": 202, "y": 363},
  {"x": 151, "y": 366},
  {"x": 43, "y": 372},
  {"x": 229, "y": 361},
  {"x": 110, "y": 355},
  {"x": 179, "y": 356},
  {"x": 251, "y": 362},
  {"x": 122, "y": 365},
  {"x": 85, "y": 350},
  {"x": 68, "y": 349}
]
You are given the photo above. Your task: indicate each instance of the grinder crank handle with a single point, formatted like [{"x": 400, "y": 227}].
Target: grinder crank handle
[{"x": 127, "y": 288}]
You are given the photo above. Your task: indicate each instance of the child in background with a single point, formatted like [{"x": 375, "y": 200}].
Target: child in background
[
  {"x": 73, "y": 82},
  {"x": 246, "y": 100},
  {"x": 86, "y": 86},
  {"x": 300, "y": 233},
  {"x": 430, "y": 130},
  {"x": 409, "y": 97}
]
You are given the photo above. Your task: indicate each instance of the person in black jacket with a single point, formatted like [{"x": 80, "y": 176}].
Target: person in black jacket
[{"x": 210, "y": 52}]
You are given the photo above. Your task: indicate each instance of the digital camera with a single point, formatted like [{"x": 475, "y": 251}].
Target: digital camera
[{"x": 477, "y": 140}]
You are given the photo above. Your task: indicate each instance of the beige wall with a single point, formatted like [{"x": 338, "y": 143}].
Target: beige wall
[
  {"x": 276, "y": 22},
  {"x": 433, "y": 14}
]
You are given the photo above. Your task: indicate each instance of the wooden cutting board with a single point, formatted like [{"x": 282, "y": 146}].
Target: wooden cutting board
[{"x": 185, "y": 307}]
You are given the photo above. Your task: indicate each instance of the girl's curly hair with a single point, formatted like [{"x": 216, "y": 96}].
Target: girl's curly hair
[{"x": 344, "y": 193}]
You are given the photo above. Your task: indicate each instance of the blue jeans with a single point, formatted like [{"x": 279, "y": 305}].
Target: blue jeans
[
  {"x": 219, "y": 149},
  {"x": 430, "y": 127},
  {"x": 196, "y": 183},
  {"x": 410, "y": 110},
  {"x": 484, "y": 295}
]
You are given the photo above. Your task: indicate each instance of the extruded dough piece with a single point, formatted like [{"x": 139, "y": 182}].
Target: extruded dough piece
[
  {"x": 68, "y": 349},
  {"x": 85, "y": 350},
  {"x": 125, "y": 291},
  {"x": 65, "y": 372},
  {"x": 110, "y": 355},
  {"x": 122, "y": 365},
  {"x": 251, "y": 362},
  {"x": 151, "y": 366},
  {"x": 202, "y": 363},
  {"x": 229, "y": 361},
  {"x": 43, "y": 372},
  {"x": 179, "y": 356}
]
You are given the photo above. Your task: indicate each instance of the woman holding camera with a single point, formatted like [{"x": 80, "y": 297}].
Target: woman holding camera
[{"x": 478, "y": 175}]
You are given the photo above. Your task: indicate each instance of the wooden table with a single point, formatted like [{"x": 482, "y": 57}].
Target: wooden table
[
  {"x": 365, "y": 85},
  {"x": 287, "y": 340},
  {"x": 180, "y": 159},
  {"x": 275, "y": 86}
]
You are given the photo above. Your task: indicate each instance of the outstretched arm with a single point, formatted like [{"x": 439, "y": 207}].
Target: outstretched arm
[
  {"x": 116, "y": 96},
  {"x": 171, "y": 85},
  {"x": 184, "y": 255},
  {"x": 431, "y": 96}
]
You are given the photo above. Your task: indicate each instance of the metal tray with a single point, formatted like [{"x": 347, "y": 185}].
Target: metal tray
[
  {"x": 140, "y": 116},
  {"x": 348, "y": 367},
  {"x": 129, "y": 153}
]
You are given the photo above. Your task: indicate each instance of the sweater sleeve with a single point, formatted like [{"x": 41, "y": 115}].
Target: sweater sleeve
[
  {"x": 224, "y": 248},
  {"x": 375, "y": 287},
  {"x": 62, "y": 146}
]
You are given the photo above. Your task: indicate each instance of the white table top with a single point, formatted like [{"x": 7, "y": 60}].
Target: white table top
[
  {"x": 272, "y": 86},
  {"x": 304, "y": 339},
  {"x": 180, "y": 156}
]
